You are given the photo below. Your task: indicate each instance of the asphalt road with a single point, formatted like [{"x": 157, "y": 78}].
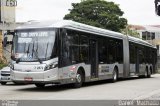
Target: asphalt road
[{"x": 133, "y": 88}]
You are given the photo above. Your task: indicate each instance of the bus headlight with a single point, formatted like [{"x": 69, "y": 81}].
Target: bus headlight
[{"x": 51, "y": 66}]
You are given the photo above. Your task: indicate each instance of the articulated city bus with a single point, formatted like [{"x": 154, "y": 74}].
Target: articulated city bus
[{"x": 67, "y": 52}]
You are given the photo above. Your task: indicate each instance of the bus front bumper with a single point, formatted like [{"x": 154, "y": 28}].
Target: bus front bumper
[
  {"x": 39, "y": 77},
  {"x": 35, "y": 77}
]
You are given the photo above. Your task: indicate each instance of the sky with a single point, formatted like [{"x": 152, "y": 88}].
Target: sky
[{"x": 138, "y": 12}]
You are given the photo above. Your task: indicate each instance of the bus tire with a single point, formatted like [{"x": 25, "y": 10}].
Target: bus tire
[
  {"x": 39, "y": 85},
  {"x": 141, "y": 76},
  {"x": 79, "y": 79},
  {"x": 3, "y": 83},
  {"x": 146, "y": 73},
  {"x": 115, "y": 75},
  {"x": 149, "y": 74}
]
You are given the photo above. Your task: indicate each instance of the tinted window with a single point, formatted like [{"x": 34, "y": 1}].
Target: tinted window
[
  {"x": 115, "y": 51},
  {"x": 84, "y": 48},
  {"x": 132, "y": 51},
  {"x": 75, "y": 47},
  {"x": 103, "y": 50},
  {"x": 119, "y": 52},
  {"x": 141, "y": 54},
  {"x": 112, "y": 51}
]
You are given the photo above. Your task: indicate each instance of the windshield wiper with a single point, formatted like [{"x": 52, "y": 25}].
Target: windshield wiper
[
  {"x": 36, "y": 53},
  {"x": 46, "y": 50}
]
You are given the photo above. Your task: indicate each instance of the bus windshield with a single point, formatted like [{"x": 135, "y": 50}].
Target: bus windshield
[{"x": 36, "y": 45}]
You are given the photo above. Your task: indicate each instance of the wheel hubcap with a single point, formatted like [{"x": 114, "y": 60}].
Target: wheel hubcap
[
  {"x": 78, "y": 77},
  {"x": 115, "y": 76},
  {"x": 146, "y": 73}
]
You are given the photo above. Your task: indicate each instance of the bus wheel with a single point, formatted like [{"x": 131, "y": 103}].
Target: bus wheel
[
  {"x": 40, "y": 85},
  {"x": 79, "y": 79},
  {"x": 114, "y": 75},
  {"x": 3, "y": 83},
  {"x": 149, "y": 74},
  {"x": 146, "y": 73}
]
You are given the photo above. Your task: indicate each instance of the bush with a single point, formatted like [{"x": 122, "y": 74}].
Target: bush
[
  {"x": 2, "y": 65},
  {"x": 3, "y": 62}
]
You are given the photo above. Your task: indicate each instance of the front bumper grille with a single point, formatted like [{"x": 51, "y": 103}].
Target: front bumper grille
[{"x": 5, "y": 74}]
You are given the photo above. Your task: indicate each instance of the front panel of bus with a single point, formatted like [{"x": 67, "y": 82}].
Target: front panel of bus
[{"x": 35, "y": 55}]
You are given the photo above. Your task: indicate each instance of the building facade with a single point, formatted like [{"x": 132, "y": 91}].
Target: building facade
[{"x": 7, "y": 21}]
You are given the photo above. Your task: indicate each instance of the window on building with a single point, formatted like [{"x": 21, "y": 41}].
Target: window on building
[
  {"x": 148, "y": 35},
  {"x": 143, "y": 35},
  {"x": 153, "y": 35}
]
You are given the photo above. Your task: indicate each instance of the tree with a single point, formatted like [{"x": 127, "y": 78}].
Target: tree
[
  {"x": 99, "y": 13},
  {"x": 2, "y": 58},
  {"x": 130, "y": 32}
]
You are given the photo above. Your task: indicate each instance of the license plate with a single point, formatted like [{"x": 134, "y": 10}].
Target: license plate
[
  {"x": 28, "y": 79},
  {"x": 5, "y": 78}
]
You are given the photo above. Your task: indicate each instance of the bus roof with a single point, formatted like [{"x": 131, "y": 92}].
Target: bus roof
[
  {"x": 70, "y": 25},
  {"x": 140, "y": 41},
  {"x": 80, "y": 27}
]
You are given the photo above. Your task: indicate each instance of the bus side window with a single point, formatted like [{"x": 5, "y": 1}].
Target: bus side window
[
  {"x": 103, "y": 50},
  {"x": 73, "y": 39},
  {"x": 132, "y": 52},
  {"x": 84, "y": 48},
  {"x": 119, "y": 51},
  {"x": 112, "y": 51},
  {"x": 65, "y": 50}
]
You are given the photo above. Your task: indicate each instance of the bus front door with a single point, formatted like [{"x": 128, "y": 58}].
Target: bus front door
[{"x": 94, "y": 59}]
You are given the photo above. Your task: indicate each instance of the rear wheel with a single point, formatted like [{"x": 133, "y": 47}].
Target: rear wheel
[
  {"x": 40, "y": 85},
  {"x": 3, "y": 83},
  {"x": 149, "y": 74},
  {"x": 146, "y": 73},
  {"x": 115, "y": 75},
  {"x": 79, "y": 79}
]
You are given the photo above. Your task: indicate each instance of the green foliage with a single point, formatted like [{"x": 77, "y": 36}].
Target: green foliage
[
  {"x": 99, "y": 13},
  {"x": 2, "y": 65},
  {"x": 134, "y": 33},
  {"x": 3, "y": 62},
  {"x": 130, "y": 32}
]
